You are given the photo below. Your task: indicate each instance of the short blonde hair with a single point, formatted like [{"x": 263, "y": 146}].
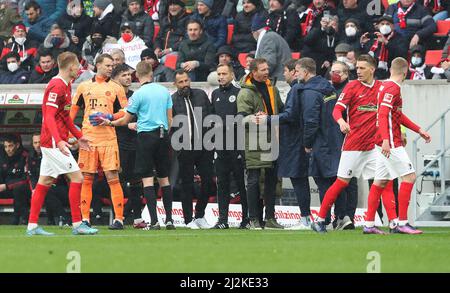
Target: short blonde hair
[
  {"x": 143, "y": 69},
  {"x": 399, "y": 65},
  {"x": 66, "y": 59}
]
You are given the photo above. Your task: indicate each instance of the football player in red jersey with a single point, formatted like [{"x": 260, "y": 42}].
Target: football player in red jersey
[
  {"x": 392, "y": 159},
  {"x": 56, "y": 157}
]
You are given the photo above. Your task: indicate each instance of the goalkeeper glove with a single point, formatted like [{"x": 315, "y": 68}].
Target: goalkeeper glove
[{"x": 96, "y": 118}]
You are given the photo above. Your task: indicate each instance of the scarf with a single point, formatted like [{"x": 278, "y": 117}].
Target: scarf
[
  {"x": 151, "y": 7},
  {"x": 417, "y": 73},
  {"x": 383, "y": 54},
  {"x": 277, "y": 26},
  {"x": 402, "y": 14},
  {"x": 436, "y": 5},
  {"x": 311, "y": 13}
]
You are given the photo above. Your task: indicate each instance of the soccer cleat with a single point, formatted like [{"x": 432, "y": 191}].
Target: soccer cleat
[
  {"x": 254, "y": 225},
  {"x": 38, "y": 231},
  {"x": 170, "y": 225},
  {"x": 373, "y": 230},
  {"x": 152, "y": 227},
  {"x": 407, "y": 229},
  {"x": 220, "y": 225},
  {"x": 84, "y": 229},
  {"x": 273, "y": 224},
  {"x": 140, "y": 225},
  {"x": 319, "y": 227},
  {"x": 343, "y": 223},
  {"x": 201, "y": 223},
  {"x": 245, "y": 224},
  {"x": 87, "y": 223},
  {"x": 192, "y": 225},
  {"x": 117, "y": 225}
]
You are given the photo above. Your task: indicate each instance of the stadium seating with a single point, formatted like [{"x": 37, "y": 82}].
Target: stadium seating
[
  {"x": 171, "y": 61},
  {"x": 230, "y": 33},
  {"x": 295, "y": 55},
  {"x": 242, "y": 59},
  {"x": 432, "y": 57},
  {"x": 443, "y": 26}
]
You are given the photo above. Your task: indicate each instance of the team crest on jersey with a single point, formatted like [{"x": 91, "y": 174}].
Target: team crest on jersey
[
  {"x": 349, "y": 173},
  {"x": 341, "y": 96},
  {"x": 108, "y": 93},
  {"x": 388, "y": 98},
  {"x": 232, "y": 99}
]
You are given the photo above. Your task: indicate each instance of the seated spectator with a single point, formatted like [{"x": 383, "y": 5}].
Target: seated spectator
[
  {"x": 352, "y": 9},
  {"x": 342, "y": 53},
  {"x": 8, "y": 19},
  {"x": 264, "y": 5},
  {"x": 128, "y": 35},
  {"x": 152, "y": 8},
  {"x": 196, "y": 53},
  {"x": 51, "y": 9},
  {"x": 242, "y": 40},
  {"x": 161, "y": 73},
  {"x": 38, "y": 26},
  {"x": 285, "y": 22},
  {"x": 320, "y": 42},
  {"x": 103, "y": 16},
  {"x": 439, "y": 9},
  {"x": 352, "y": 34},
  {"x": 446, "y": 50},
  {"x": 118, "y": 57},
  {"x": 76, "y": 23},
  {"x": 216, "y": 27},
  {"x": 58, "y": 42},
  {"x": 172, "y": 29},
  {"x": 14, "y": 177},
  {"x": 271, "y": 47},
  {"x": 225, "y": 56},
  {"x": 93, "y": 46},
  {"x": 418, "y": 70},
  {"x": 19, "y": 43},
  {"x": 46, "y": 68},
  {"x": 441, "y": 70},
  {"x": 412, "y": 21},
  {"x": 313, "y": 14},
  {"x": 142, "y": 22},
  {"x": 385, "y": 46},
  {"x": 11, "y": 72}
]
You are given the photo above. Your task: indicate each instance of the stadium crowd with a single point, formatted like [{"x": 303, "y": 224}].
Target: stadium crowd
[{"x": 334, "y": 34}]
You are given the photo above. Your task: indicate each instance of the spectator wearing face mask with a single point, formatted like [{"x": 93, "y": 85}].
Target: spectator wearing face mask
[
  {"x": 19, "y": 43},
  {"x": 418, "y": 70},
  {"x": 11, "y": 72},
  {"x": 57, "y": 41},
  {"x": 352, "y": 34},
  {"x": 384, "y": 45},
  {"x": 93, "y": 46},
  {"x": 76, "y": 23},
  {"x": 342, "y": 53},
  {"x": 142, "y": 22},
  {"x": 127, "y": 34}
]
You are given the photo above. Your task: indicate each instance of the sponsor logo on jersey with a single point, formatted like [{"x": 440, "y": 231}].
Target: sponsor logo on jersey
[{"x": 368, "y": 108}]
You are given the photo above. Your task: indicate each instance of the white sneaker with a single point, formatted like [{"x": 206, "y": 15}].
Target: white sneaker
[
  {"x": 298, "y": 226},
  {"x": 202, "y": 224},
  {"x": 192, "y": 225}
]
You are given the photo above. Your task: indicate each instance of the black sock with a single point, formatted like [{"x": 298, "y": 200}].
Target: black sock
[
  {"x": 135, "y": 198},
  {"x": 150, "y": 196},
  {"x": 167, "y": 201}
]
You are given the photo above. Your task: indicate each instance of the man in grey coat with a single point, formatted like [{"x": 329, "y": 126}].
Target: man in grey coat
[{"x": 270, "y": 46}]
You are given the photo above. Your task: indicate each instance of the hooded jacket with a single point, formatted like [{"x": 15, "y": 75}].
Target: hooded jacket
[
  {"x": 39, "y": 76},
  {"x": 27, "y": 51},
  {"x": 250, "y": 102}
]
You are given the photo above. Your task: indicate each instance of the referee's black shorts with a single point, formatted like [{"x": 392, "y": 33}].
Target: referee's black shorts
[{"x": 152, "y": 154}]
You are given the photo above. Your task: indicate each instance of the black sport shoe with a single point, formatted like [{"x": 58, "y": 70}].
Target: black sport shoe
[
  {"x": 170, "y": 225},
  {"x": 220, "y": 225},
  {"x": 319, "y": 227},
  {"x": 153, "y": 227},
  {"x": 245, "y": 224},
  {"x": 116, "y": 226},
  {"x": 273, "y": 224}
]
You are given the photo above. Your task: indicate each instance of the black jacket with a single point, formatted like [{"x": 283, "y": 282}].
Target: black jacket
[
  {"x": 39, "y": 76},
  {"x": 126, "y": 137},
  {"x": 14, "y": 170},
  {"x": 242, "y": 40},
  {"x": 320, "y": 47},
  {"x": 172, "y": 31},
  {"x": 110, "y": 24},
  {"x": 287, "y": 24},
  {"x": 34, "y": 167},
  {"x": 81, "y": 25},
  {"x": 145, "y": 28}
]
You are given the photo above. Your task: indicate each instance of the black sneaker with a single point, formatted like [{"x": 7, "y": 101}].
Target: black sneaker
[
  {"x": 319, "y": 227},
  {"x": 273, "y": 224},
  {"x": 245, "y": 224},
  {"x": 153, "y": 227},
  {"x": 220, "y": 225},
  {"x": 116, "y": 226},
  {"x": 170, "y": 225}
]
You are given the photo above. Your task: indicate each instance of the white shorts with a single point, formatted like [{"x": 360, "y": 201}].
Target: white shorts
[
  {"x": 55, "y": 163},
  {"x": 398, "y": 164},
  {"x": 357, "y": 163}
]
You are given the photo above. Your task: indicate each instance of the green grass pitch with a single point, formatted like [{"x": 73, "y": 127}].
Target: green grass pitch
[{"x": 230, "y": 250}]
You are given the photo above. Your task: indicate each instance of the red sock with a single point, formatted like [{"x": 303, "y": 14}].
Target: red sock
[
  {"x": 373, "y": 201},
  {"x": 74, "y": 199},
  {"x": 388, "y": 198},
  {"x": 404, "y": 194},
  {"x": 330, "y": 197},
  {"x": 37, "y": 200}
]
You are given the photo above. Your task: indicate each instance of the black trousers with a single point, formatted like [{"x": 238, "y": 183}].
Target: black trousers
[
  {"x": 203, "y": 162},
  {"x": 131, "y": 183},
  {"x": 228, "y": 167},
  {"x": 347, "y": 202},
  {"x": 22, "y": 196},
  {"x": 303, "y": 194},
  {"x": 254, "y": 193},
  {"x": 323, "y": 183}
]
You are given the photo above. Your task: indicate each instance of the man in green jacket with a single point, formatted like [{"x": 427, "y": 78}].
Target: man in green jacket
[{"x": 257, "y": 96}]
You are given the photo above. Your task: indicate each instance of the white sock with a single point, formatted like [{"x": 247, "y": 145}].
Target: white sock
[
  {"x": 369, "y": 224},
  {"x": 137, "y": 221},
  {"x": 32, "y": 226},
  {"x": 402, "y": 223},
  {"x": 120, "y": 221},
  {"x": 393, "y": 223},
  {"x": 76, "y": 224},
  {"x": 319, "y": 219}
]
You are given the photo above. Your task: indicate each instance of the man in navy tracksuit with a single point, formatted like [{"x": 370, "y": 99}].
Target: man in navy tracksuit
[{"x": 229, "y": 161}]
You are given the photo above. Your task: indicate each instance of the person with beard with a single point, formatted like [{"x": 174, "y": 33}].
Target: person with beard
[
  {"x": 215, "y": 25},
  {"x": 57, "y": 41},
  {"x": 161, "y": 73},
  {"x": 38, "y": 25},
  {"x": 172, "y": 29},
  {"x": 143, "y": 23},
  {"x": 93, "y": 46},
  {"x": 26, "y": 48},
  {"x": 385, "y": 46},
  {"x": 46, "y": 68},
  {"x": 11, "y": 72},
  {"x": 190, "y": 151},
  {"x": 352, "y": 34},
  {"x": 196, "y": 53},
  {"x": 229, "y": 160},
  {"x": 285, "y": 22},
  {"x": 242, "y": 40},
  {"x": 418, "y": 70},
  {"x": 76, "y": 23}
]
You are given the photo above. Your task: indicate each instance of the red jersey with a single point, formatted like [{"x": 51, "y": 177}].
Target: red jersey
[
  {"x": 360, "y": 102},
  {"x": 55, "y": 113},
  {"x": 390, "y": 97}
]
